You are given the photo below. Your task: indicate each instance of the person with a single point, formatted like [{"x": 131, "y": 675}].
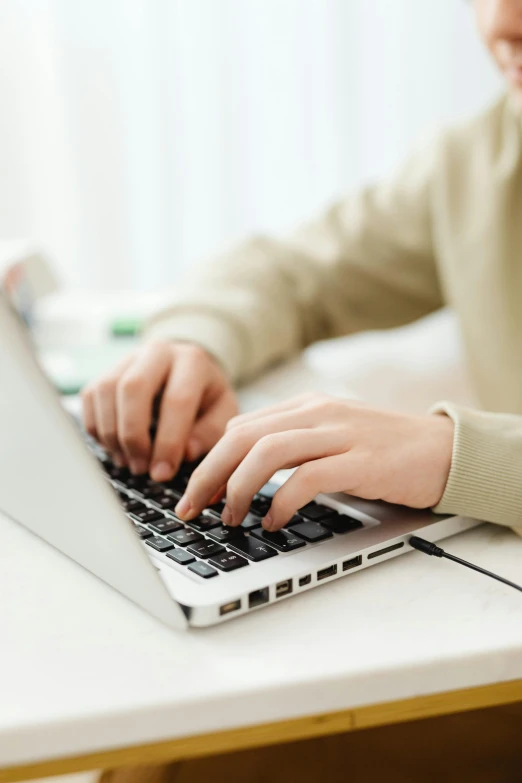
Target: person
[{"x": 447, "y": 230}]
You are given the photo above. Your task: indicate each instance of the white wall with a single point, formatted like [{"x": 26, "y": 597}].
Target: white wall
[{"x": 139, "y": 135}]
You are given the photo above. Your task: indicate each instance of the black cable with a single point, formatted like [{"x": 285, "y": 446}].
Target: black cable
[{"x": 421, "y": 545}]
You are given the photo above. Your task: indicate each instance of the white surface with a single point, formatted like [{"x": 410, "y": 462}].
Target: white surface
[{"x": 83, "y": 669}]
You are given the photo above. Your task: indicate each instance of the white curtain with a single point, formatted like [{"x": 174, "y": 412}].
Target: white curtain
[{"x": 137, "y": 136}]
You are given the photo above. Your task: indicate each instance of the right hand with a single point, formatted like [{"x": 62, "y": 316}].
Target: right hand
[{"x": 197, "y": 401}]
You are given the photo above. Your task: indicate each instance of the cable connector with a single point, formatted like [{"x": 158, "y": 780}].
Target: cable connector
[{"x": 427, "y": 547}]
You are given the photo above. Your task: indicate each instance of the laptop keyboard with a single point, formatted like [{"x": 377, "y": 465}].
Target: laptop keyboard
[{"x": 204, "y": 545}]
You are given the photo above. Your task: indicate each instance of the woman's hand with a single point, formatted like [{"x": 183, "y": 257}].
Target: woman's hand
[
  {"x": 337, "y": 445},
  {"x": 197, "y": 400}
]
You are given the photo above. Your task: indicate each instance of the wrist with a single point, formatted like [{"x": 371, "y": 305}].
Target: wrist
[{"x": 443, "y": 453}]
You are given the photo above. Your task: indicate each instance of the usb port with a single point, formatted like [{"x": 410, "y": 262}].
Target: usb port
[
  {"x": 324, "y": 573},
  {"x": 305, "y": 580},
  {"x": 352, "y": 563},
  {"x": 258, "y": 597},
  {"x": 283, "y": 588},
  {"x": 385, "y": 551},
  {"x": 232, "y": 606}
]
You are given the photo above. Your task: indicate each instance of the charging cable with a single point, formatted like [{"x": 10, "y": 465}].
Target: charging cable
[{"x": 421, "y": 545}]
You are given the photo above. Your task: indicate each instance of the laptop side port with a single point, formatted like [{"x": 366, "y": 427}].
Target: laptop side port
[
  {"x": 324, "y": 573},
  {"x": 352, "y": 563},
  {"x": 283, "y": 588},
  {"x": 258, "y": 597},
  {"x": 385, "y": 551},
  {"x": 305, "y": 580},
  {"x": 232, "y": 606}
]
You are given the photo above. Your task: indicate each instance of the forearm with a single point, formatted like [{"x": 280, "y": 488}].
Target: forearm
[
  {"x": 485, "y": 479},
  {"x": 366, "y": 263}
]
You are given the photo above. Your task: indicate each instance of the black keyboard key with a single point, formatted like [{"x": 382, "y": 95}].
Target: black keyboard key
[
  {"x": 166, "y": 525},
  {"x": 340, "y": 524},
  {"x": 203, "y": 569},
  {"x": 151, "y": 491},
  {"x": 205, "y": 549},
  {"x": 181, "y": 556},
  {"x": 137, "y": 482},
  {"x": 118, "y": 474},
  {"x": 204, "y": 523},
  {"x": 315, "y": 512},
  {"x": 252, "y": 548},
  {"x": 167, "y": 502},
  {"x": 260, "y": 505},
  {"x": 228, "y": 561},
  {"x": 147, "y": 515},
  {"x": 185, "y": 537},
  {"x": 212, "y": 513},
  {"x": 225, "y": 534},
  {"x": 174, "y": 493},
  {"x": 283, "y": 540},
  {"x": 217, "y": 507},
  {"x": 177, "y": 484},
  {"x": 131, "y": 505},
  {"x": 311, "y": 531},
  {"x": 143, "y": 532},
  {"x": 160, "y": 544},
  {"x": 251, "y": 521},
  {"x": 296, "y": 520}
]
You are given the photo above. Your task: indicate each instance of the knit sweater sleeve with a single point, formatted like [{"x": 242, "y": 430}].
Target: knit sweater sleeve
[{"x": 485, "y": 479}]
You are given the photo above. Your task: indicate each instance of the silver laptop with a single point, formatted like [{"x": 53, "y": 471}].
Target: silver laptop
[{"x": 122, "y": 528}]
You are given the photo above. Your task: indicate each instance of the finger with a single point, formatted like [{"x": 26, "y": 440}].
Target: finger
[
  {"x": 210, "y": 427},
  {"x": 220, "y": 494},
  {"x": 88, "y": 397},
  {"x": 179, "y": 407},
  {"x": 104, "y": 398},
  {"x": 328, "y": 474},
  {"x": 280, "y": 407},
  {"x": 89, "y": 419},
  {"x": 220, "y": 463},
  {"x": 135, "y": 393},
  {"x": 271, "y": 453}
]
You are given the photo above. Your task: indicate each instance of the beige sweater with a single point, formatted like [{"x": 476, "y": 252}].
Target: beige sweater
[{"x": 446, "y": 230}]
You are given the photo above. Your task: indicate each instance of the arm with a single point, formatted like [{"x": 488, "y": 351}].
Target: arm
[
  {"x": 465, "y": 463},
  {"x": 367, "y": 263},
  {"x": 485, "y": 479}
]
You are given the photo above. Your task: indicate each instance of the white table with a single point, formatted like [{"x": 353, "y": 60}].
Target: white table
[
  {"x": 89, "y": 680},
  {"x": 83, "y": 671}
]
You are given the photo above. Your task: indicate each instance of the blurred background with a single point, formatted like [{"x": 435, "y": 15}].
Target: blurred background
[{"x": 138, "y": 136}]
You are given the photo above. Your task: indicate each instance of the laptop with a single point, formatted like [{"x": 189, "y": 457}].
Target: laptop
[{"x": 62, "y": 486}]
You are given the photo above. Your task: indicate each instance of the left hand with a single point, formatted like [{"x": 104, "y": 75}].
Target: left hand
[{"x": 336, "y": 445}]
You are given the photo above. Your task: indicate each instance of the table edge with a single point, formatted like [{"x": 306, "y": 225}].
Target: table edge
[{"x": 275, "y": 732}]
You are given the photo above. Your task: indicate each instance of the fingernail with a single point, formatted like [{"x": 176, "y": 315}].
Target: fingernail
[
  {"x": 138, "y": 466},
  {"x": 226, "y": 516},
  {"x": 119, "y": 459},
  {"x": 184, "y": 507},
  {"x": 162, "y": 471},
  {"x": 268, "y": 522}
]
